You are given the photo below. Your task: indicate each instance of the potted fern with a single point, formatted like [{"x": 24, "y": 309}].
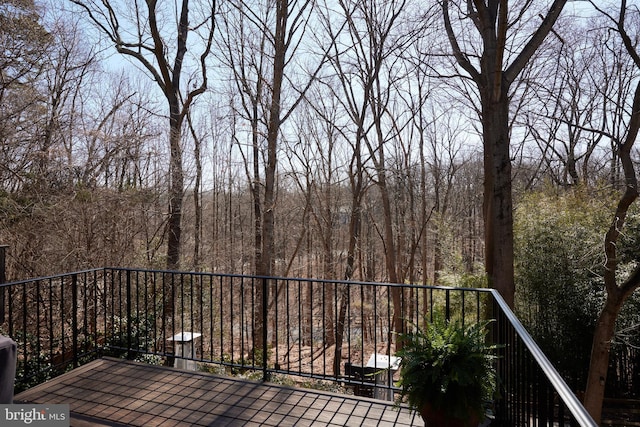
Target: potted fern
[{"x": 447, "y": 372}]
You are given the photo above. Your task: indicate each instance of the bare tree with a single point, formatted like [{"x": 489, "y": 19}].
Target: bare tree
[
  {"x": 572, "y": 96},
  {"x": 494, "y": 64},
  {"x": 616, "y": 293},
  {"x": 197, "y": 195},
  {"x": 317, "y": 153},
  {"x": 349, "y": 81},
  {"x": 381, "y": 18},
  {"x": 368, "y": 74},
  {"x": 261, "y": 41},
  {"x": 144, "y": 34},
  {"x": 71, "y": 68}
]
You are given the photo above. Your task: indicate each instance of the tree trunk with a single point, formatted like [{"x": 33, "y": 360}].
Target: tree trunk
[
  {"x": 600, "y": 353},
  {"x": 266, "y": 260},
  {"x": 176, "y": 116},
  {"x": 174, "y": 227},
  {"x": 355, "y": 223},
  {"x": 616, "y": 295},
  {"x": 390, "y": 255},
  {"x": 329, "y": 291},
  {"x": 339, "y": 334},
  {"x": 273, "y": 130},
  {"x": 498, "y": 204},
  {"x": 197, "y": 202}
]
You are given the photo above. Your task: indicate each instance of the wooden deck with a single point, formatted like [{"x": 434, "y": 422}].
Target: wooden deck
[{"x": 114, "y": 392}]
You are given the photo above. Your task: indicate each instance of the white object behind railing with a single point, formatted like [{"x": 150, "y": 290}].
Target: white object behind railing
[
  {"x": 382, "y": 361},
  {"x": 385, "y": 367},
  {"x": 185, "y": 350}
]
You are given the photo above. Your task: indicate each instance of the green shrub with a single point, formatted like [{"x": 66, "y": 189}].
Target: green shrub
[{"x": 559, "y": 265}]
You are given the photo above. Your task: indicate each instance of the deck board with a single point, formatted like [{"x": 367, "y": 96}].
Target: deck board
[{"x": 114, "y": 392}]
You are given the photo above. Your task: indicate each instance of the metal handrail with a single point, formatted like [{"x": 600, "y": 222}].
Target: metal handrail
[
  {"x": 52, "y": 277},
  {"x": 569, "y": 398}
]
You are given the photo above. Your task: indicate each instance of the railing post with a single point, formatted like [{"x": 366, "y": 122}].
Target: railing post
[
  {"x": 74, "y": 318},
  {"x": 3, "y": 279},
  {"x": 447, "y": 305},
  {"x": 130, "y": 355},
  {"x": 265, "y": 324},
  {"x": 499, "y": 331}
]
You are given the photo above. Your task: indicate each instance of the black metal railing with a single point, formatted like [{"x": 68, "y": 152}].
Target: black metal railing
[
  {"x": 54, "y": 321},
  {"x": 533, "y": 393},
  {"x": 310, "y": 331},
  {"x": 297, "y": 333}
]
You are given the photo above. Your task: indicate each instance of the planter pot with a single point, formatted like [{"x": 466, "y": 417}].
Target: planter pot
[{"x": 438, "y": 418}]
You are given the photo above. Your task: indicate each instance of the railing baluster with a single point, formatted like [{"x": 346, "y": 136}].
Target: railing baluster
[
  {"x": 85, "y": 310},
  {"x": 301, "y": 330},
  {"x": 221, "y": 323},
  {"x": 309, "y": 322},
  {"x": 25, "y": 335},
  {"x": 231, "y": 337},
  {"x": 38, "y": 344},
  {"x": 74, "y": 319},
  {"x": 202, "y": 308},
  {"x": 3, "y": 280},
  {"x": 265, "y": 317},
  {"x": 130, "y": 355},
  {"x": 447, "y": 307}
]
